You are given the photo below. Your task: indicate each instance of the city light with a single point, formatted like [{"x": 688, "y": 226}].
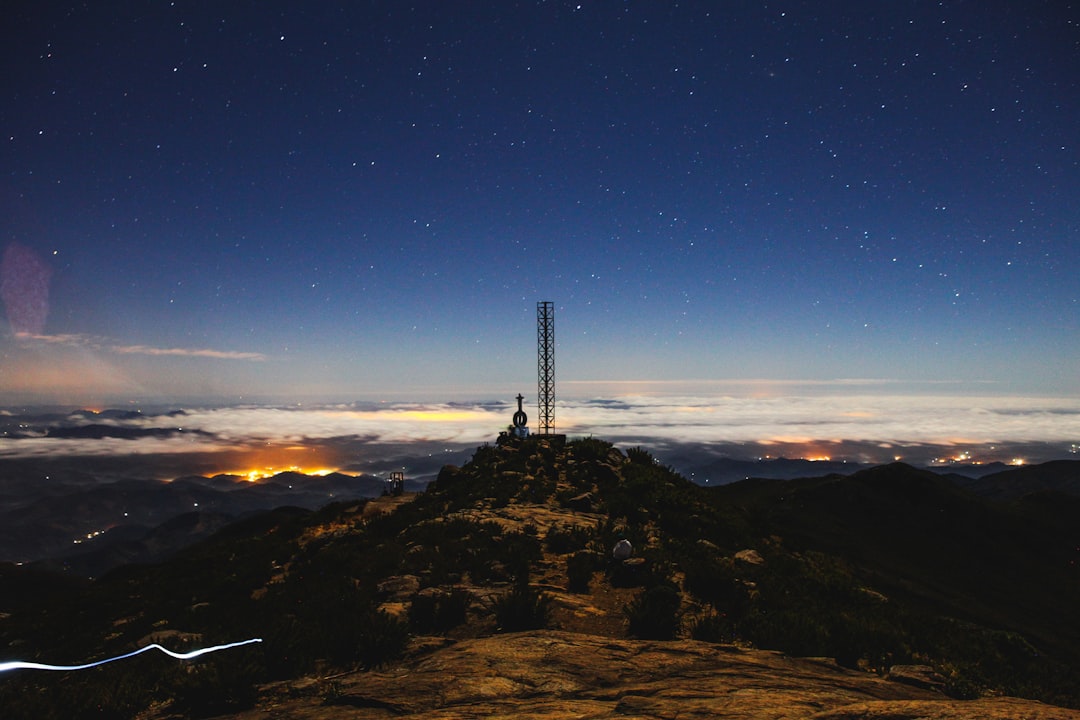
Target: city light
[{"x": 263, "y": 473}]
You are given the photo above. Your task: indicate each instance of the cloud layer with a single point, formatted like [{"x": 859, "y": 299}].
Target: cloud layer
[
  {"x": 847, "y": 425},
  {"x": 883, "y": 418}
]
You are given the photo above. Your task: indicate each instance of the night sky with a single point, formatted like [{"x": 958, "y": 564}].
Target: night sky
[{"x": 365, "y": 200}]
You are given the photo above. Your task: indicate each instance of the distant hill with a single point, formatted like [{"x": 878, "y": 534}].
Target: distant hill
[
  {"x": 126, "y": 544},
  {"x": 722, "y": 471},
  {"x": 915, "y": 597},
  {"x": 941, "y": 547},
  {"x": 1062, "y": 476},
  {"x": 92, "y": 516}
]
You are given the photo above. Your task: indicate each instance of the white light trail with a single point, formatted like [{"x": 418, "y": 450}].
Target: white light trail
[{"x": 21, "y": 665}]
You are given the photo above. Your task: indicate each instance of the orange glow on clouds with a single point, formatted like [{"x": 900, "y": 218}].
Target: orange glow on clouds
[
  {"x": 441, "y": 415},
  {"x": 262, "y": 462},
  {"x": 263, "y": 473}
]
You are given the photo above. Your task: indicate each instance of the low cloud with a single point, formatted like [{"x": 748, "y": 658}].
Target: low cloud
[
  {"x": 186, "y": 352},
  {"x": 884, "y": 418},
  {"x": 104, "y": 344},
  {"x": 47, "y": 447},
  {"x": 875, "y": 429}
]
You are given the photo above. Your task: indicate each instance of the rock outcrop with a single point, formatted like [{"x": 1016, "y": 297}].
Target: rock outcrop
[{"x": 559, "y": 675}]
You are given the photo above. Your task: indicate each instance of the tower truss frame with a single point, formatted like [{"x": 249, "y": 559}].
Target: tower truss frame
[{"x": 545, "y": 365}]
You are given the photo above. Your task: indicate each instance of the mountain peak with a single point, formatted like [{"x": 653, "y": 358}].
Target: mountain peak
[{"x": 517, "y": 548}]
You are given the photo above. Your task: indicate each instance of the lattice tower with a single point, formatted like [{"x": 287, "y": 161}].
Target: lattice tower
[{"x": 545, "y": 365}]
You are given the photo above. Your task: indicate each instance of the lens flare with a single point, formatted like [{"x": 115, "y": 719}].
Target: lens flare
[
  {"x": 24, "y": 288},
  {"x": 21, "y": 665}
]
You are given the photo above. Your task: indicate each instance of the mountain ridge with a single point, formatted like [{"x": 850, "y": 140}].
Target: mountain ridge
[
  {"x": 514, "y": 549},
  {"x": 66, "y": 521}
]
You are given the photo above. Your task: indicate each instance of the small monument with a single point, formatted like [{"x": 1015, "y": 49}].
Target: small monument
[
  {"x": 521, "y": 420},
  {"x": 396, "y": 484}
]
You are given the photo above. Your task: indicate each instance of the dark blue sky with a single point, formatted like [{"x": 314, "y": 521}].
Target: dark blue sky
[{"x": 367, "y": 200}]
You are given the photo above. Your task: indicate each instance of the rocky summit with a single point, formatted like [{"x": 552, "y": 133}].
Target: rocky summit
[
  {"x": 560, "y": 675},
  {"x": 554, "y": 579}
]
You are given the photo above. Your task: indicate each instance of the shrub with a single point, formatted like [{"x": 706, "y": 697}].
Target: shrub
[
  {"x": 289, "y": 649},
  {"x": 712, "y": 628},
  {"x": 563, "y": 539},
  {"x": 216, "y": 687},
  {"x": 640, "y": 456},
  {"x": 654, "y": 613},
  {"x": 644, "y": 572},
  {"x": 518, "y": 552},
  {"x": 591, "y": 448},
  {"x": 439, "y": 611},
  {"x": 383, "y": 638},
  {"x": 523, "y": 608},
  {"x": 714, "y": 580},
  {"x": 579, "y": 570},
  {"x": 795, "y": 631}
]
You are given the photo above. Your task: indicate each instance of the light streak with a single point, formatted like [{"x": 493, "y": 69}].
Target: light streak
[{"x": 21, "y": 665}]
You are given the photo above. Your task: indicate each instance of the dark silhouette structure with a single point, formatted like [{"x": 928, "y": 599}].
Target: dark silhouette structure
[
  {"x": 396, "y": 484},
  {"x": 521, "y": 420},
  {"x": 545, "y": 365}
]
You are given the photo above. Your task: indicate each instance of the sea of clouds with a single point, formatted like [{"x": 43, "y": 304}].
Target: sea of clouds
[{"x": 362, "y": 436}]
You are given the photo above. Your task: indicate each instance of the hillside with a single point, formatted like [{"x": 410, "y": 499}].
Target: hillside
[
  {"x": 88, "y": 525},
  {"x": 1059, "y": 476},
  {"x": 494, "y": 592}
]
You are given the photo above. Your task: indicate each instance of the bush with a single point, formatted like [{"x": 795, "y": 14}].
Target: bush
[
  {"x": 523, "y": 608},
  {"x": 289, "y": 649},
  {"x": 439, "y": 611},
  {"x": 563, "y": 539},
  {"x": 643, "y": 572},
  {"x": 216, "y": 687},
  {"x": 640, "y": 456},
  {"x": 654, "y": 613},
  {"x": 518, "y": 552},
  {"x": 383, "y": 638},
  {"x": 579, "y": 570},
  {"x": 795, "y": 631},
  {"x": 591, "y": 448},
  {"x": 712, "y": 628},
  {"x": 714, "y": 581}
]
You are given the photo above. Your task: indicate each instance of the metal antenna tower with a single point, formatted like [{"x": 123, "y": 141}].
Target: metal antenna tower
[{"x": 545, "y": 365}]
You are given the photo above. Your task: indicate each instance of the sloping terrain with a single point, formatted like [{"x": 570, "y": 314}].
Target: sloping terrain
[
  {"x": 913, "y": 534},
  {"x": 1058, "y": 476},
  {"x": 554, "y": 674},
  {"x": 495, "y": 593},
  {"x": 137, "y": 519}
]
